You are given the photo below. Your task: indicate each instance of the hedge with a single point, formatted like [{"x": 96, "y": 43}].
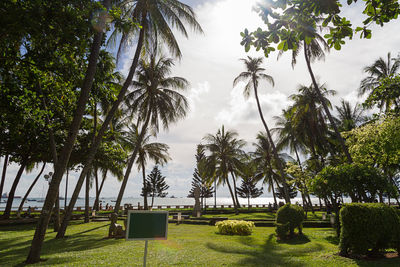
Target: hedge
[
  {"x": 368, "y": 227},
  {"x": 235, "y": 227},
  {"x": 289, "y": 217}
]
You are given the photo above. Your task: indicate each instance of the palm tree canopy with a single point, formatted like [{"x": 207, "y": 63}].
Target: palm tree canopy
[
  {"x": 253, "y": 74},
  {"x": 225, "y": 152},
  {"x": 156, "y": 18},
  {"x": 378, "y": 70},
  {"x": 349, "y": 118},
  {"x": 155, "y": 93}
]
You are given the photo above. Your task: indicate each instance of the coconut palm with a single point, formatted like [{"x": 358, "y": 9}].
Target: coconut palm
[
  {"x": 253, "y": 75},
  {"x": 225, "y": 152},
  {"x": 156, "y": 99},
  {"x": 156, "y": 18},
  {"x": 379, "y": 70},
  {"x": 157, "y": 152},
  {"x": 348, "y": 117}
]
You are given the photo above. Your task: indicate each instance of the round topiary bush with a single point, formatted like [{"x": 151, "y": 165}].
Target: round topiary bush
[{"x": 289, "y": 217}]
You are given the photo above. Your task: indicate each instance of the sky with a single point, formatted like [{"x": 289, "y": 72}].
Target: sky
[{"x": 210, "y": 62}]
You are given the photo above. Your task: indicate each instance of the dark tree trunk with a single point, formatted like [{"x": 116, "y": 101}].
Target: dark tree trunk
[
  {"x": 273, "y": 193},
  {"x": 144, "y": 185},
  {"x": 56, "y": 213},
  {"x": 29, "y": 190},
  {"x": 215, "y": 193},
  {"x": 97, "y": 200},
  {"x": 274, "y": 151},
  {"x": 7, "y": 211},
  {"x": 232, "y": 195},
  {"x": 3, "y": 175},
  {"x": 87, "y": 199},
  {"x": 37, "y": 242},
  {"x": 66, "y": 191},
  {"x": 100, "y": 133},
  {"x": 234, "y": 189},
  {"x": 325, "y": 106}
]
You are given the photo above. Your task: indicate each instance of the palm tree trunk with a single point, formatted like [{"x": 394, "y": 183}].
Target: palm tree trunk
[
  {"x": 234, "y": 189},
  {"x": 29, "y": 190},
  {"x": 97, "y": 200},
  {"x": 127, "y": 173},
  {"x": 215, "y": 193},
  {"x": 274, "y": 151},
  {"x": 152, "y": 200},
  {"x": 87, "y": 198},
  {"x": 273, "y": 193},
  {"x": 37, "y": 242},
  {"x": 66, "y": 191},
  {"x": 233, "y": 197},
  {"x": 7, "y": 211},
  {"x": 144, "y": 185},
  {"x": 3, "y": 175},
  {"x": 56, "y": 213},
  {"x": 325, "y": 106}
]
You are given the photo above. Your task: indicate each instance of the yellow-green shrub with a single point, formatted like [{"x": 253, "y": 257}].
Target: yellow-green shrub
[{"x": 235, "y": 227}]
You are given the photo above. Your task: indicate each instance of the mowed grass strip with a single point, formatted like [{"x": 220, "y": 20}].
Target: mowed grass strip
[{"x": 187, "y": 245}]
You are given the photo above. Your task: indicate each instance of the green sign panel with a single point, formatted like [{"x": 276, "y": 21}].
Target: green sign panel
[{"x": 147, "y": 225}]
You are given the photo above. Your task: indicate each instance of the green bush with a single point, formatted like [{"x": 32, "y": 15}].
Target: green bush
[
  {"x": 235, "y": 227},
  {"x": 289, "y": 217},
  {"x": 368, "y": 226}
]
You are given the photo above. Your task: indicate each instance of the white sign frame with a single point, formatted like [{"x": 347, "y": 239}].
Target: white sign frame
[{"x": 147, "y": 211}]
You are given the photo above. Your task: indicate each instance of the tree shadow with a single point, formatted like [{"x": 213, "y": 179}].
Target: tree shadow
[
  {"x": 333, "y": 239},
  {"x": 267, "y": 254},
  {"x": 297, "y": 239},
  {"x": 18, "y": 247}
]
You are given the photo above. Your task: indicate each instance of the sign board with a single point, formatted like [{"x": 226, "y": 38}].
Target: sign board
[{"x": 147, "y": 225}]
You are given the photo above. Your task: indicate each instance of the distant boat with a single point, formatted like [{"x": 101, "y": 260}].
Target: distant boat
[
  {"x": 31, "y": 199},
  {"x": 172, "y": 196}
]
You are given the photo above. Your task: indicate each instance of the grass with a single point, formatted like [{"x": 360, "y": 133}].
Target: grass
[
  {"x": 187, "y": 245},
  {"x": 260, "y": 216}
]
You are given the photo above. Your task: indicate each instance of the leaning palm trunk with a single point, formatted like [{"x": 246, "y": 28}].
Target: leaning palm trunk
[
  {"x": 37, "y": 242},
  {"x": 3, "y": 175},
  {"x": 97, "y": 200},
  {"x": 7, "y": 211},
  {"x": 29, "y": 191},
  {"x": 234, "y": 189},
  {"x": 274, "y": 151},
  {"x": 99, "y": 136},
  {"x": 232, "y": 195},
  {"x": 273, "y": 193},
  {"x": 127, "y": 173},
  {"x": 325, "y": 106}
]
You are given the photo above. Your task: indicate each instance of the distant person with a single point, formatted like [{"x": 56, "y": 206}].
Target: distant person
[
  {"x": 107, "y": 206},
  {"x": 101, "y": 207}
]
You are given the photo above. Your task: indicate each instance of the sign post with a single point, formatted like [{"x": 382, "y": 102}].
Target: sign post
[{"x": 147, "y": 225}]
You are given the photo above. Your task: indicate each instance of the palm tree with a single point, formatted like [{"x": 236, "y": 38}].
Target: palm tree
[
  {"x": 155, "y": 18},
  {"x": 379, "y": 70},
  {"x": 157, "y": 152},
  {"x": 225, "y": 152},
  {"x": 156, "y": 101},
  {"x": 253, "y": 75},
  {"x": 349, "y": 118},
  {"x": 263, "y": 159}
]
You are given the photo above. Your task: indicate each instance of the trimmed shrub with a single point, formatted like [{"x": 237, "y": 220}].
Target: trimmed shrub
[
  {"x": 368, "y": 226},
  {"x": 289, "y": 217},
  {"x": 235, "y": 227}
]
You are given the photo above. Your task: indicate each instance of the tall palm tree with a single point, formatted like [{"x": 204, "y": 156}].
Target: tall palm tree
[
  {"x": 156, "y": 18},
  {"x": 157, "y": 101},
  {"x": 225, "y": 151},
  {"x": 348, "y": 117},
  {"x": 379, "y": 70},
  {"x": 157, "y": 152},
  {"x": 253, "y": 75}
]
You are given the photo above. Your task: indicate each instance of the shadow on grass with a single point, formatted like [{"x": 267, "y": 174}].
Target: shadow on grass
[
  {"x": 268, "y": 254},
  {"x": 76, "y": 242},
  {"x": 298, "y": 239},
  {"x": 333, "y": 239}
]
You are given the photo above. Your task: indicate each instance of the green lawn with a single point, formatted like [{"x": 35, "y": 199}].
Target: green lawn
[
  {"x": 187, "y": 245},
  {"x": 260, "y": 216}
]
